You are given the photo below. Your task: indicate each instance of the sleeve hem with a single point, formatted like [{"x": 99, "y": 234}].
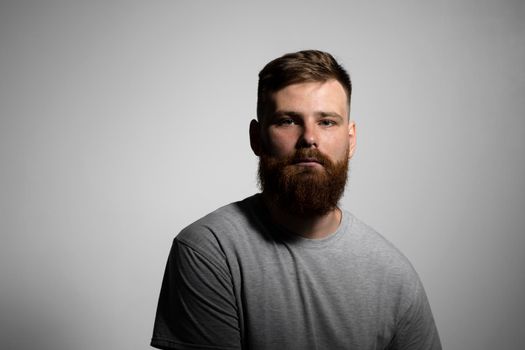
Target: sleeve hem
[{"x": 162, "y": 343}]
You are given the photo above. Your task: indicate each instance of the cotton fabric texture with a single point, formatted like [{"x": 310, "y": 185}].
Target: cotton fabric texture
[{"x": 235, "y": 280}]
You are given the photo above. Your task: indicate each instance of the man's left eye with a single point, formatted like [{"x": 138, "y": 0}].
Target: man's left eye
[{"x": 327, "y": 122}]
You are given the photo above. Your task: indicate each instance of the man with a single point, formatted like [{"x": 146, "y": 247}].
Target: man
[{"x": 287, "y": 268}]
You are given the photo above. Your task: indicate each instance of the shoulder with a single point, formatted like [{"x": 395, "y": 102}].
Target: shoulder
[
  {"x": 367, "y": 241},
  {"x": 213, "y": 231},
  {"x": 383, "y": 262},
  {"x": 389, "y": 275}
]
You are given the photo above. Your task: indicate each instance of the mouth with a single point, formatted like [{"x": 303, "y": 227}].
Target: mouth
[{"x": 308, "y": 162}]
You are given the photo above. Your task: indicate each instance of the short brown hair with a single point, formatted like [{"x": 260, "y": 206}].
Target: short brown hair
[{"x": 298, "y": 67}]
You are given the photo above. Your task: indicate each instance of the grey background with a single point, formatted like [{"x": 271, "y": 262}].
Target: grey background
[{"x": 123, "y": 121}]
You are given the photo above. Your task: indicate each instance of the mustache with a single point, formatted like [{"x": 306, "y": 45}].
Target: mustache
[{"x": 309, "y": 155}]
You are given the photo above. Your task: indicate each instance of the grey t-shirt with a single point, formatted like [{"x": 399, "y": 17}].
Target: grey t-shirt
[{"x": 235, "y": 280}]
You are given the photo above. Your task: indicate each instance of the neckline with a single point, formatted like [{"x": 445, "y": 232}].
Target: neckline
[{"x": 282, "y": 234}]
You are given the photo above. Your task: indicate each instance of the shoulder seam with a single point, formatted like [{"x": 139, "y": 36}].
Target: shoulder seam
[{"x": 226, "y": 274}]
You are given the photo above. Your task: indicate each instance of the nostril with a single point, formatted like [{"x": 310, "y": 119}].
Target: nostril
[{"x": 307, "y": 142}]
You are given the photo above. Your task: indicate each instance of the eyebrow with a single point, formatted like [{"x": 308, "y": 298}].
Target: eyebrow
[
  {"x": 321, "y": 114},
  {"x": 278, "y": 114},
  {"x": 331, "y": 114}
]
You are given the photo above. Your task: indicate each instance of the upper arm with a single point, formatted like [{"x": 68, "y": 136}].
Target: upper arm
[
  {"x": 416, "y": 329},
  {"x": 197, "y": 307}
]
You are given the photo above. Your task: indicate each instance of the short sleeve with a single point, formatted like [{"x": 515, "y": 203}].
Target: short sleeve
[
  {"x": 416, "y": 330},
  {"x": 196, "y": 308}
]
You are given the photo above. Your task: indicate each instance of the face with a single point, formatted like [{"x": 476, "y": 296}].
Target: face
[
  {"x": 311, "y": 115},
  {"x": 304, "y": 146}
]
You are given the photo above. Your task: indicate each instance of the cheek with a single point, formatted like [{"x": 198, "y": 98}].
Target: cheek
[
  {"x": 280, "y": 143},
  {"x": 345, "y": 148},
  {"x": 338, "y": 148}
]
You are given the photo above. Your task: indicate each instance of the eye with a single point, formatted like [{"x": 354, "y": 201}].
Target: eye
[
  {"x": 285, "y": 122},
  {"x": 327, "y": 122}
]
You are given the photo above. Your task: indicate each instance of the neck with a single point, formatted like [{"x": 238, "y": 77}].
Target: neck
[{"x": 312, "y": 227}]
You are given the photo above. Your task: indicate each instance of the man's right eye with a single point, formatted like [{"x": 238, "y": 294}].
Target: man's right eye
[{"x": 285, "y": 122}]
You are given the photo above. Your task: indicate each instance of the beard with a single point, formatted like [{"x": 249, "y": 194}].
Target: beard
[{"x": 303, "y": 190}]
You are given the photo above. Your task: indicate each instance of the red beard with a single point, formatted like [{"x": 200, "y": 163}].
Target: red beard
[{"x": 302, "y": 190}]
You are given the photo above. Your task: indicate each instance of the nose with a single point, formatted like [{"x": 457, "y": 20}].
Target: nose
[{"x": 308, "y": 137}]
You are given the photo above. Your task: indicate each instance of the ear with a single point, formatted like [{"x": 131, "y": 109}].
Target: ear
[
  {"x": 351, "y": 138},
  {"x": 255, "y": 137}
]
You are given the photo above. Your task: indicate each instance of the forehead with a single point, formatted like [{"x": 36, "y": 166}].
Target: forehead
[{"x": 327, "y": 96}]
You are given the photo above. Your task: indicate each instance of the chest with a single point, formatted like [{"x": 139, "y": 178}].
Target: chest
[{"x": 298, "y": 298}]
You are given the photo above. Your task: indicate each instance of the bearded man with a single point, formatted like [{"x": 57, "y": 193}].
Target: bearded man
[{"x": 288, "y": 268}]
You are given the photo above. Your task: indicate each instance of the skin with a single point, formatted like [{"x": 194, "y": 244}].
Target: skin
[{"x": 311, "y": 114}]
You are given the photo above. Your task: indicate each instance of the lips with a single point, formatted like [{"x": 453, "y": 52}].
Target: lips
[
  {"x": 308, "y": 160},
  {"x": 309, "y": 157}
]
